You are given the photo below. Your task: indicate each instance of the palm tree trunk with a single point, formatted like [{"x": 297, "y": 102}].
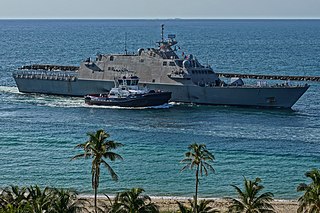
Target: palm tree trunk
[
  {"x": 96, "y": 184},
  {"x": 196, "y": 195},
  {"x": 95, "y": 197}
]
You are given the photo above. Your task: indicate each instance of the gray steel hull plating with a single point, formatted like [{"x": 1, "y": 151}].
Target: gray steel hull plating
[{"x": 273, "y": 97}]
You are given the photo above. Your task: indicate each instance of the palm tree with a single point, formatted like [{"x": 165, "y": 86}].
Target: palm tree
[
  {"x": 132, "y": 201},
  {"x": 23, "y": 208},
  {"x": 13, "y": 195},
  {"x": 14, "y": 200},
  {"x": 310, "y": 201},
  {"x": 31, "y": 199},
  {"x": 203, "y": 207},
  {"x": 66, "y": 201},
  {"x": 35, "y": 200},
  {"x": 39, "y": 200},
  {"x": 99, "y": 148},
  {"x": 197, "y": 157},
  {"x": 185, "y": 209},
  {"x": 249, "y": 201}
]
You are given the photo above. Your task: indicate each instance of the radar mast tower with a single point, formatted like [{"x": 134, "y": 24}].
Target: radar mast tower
[
  {"x": 125, "y": 43},
  {"x": 162, "y": 29}
]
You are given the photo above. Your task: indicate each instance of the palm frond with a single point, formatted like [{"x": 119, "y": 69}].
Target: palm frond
[
  {"x": 248, "y": 199},
  {"x": 114, "y": 176},
  {"x": 112, "y": 156},
  {"x": 310, "y": 200},
  {"x": 82, "y": 155},
  {"x": 183, "y": 208},
  {"x": 133, "y": 201}
]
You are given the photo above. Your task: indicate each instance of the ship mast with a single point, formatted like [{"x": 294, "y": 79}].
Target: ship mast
[
  {"x": 162, "y": 29},
  {"x": 125, "y": 43}
]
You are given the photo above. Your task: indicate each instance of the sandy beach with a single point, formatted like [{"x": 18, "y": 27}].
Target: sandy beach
[{"x": 169, "y": 204}]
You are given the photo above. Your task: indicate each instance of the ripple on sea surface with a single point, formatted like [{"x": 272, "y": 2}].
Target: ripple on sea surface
[{"x": 39, "y": 132}]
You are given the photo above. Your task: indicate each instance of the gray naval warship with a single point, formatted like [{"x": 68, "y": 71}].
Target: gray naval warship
[{"x": 158, "y": 68}]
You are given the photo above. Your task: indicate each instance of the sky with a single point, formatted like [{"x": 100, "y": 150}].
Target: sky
[{"x": 159, "y": 9}]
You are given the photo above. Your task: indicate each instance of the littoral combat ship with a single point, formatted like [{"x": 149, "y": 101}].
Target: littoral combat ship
[{"x": 158, "y": 68}]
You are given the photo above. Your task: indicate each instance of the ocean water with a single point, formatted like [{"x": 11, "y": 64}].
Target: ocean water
[{"x": 38, "y": 133}]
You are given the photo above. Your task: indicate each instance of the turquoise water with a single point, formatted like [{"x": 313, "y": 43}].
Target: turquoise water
[{"x": 39, "y": 132}]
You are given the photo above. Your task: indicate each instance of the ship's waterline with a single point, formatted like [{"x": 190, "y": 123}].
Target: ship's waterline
[{"x": 279, "y": 97}]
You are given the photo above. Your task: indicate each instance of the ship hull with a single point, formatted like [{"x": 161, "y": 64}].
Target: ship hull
[
  {"x": 254, "y": 96},
  {"x": 145, "y": 100},
  {"x": 67, "y": 88}
]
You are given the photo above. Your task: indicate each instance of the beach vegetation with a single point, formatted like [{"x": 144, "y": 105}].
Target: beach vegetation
[
  {"x": 99, "y": 148},
  {"x": 39, "y": 199},
  {"x": 250, "y": 199},
  {"x": 33, "y": 199},
  {"x": 67, "y": 201},
  {"x": 310, "y": 200},
  {"x": 198, "y": 158},
  {"x": 204, "y": 206},
  {"x": 133, "y": 201},
  {"x": 12, "y": 196}
]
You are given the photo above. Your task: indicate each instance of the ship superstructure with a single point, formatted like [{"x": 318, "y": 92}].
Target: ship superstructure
[{"x": 158, "y": 68}]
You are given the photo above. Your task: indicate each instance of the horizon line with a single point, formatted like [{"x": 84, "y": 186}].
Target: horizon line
[{"x": 243, "y": 18}]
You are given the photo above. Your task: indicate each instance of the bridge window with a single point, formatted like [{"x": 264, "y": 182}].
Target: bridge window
[
  {"x": 111, "y": 58},
  {"x": 164, "y": 63},
  {"x": 179, "y": 63}
]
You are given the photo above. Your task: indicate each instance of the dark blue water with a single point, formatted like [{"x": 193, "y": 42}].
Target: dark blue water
[{"x": 39, "y": 132}]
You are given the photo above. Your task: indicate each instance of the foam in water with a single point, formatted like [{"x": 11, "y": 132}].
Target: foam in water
[
  {"x": 14, "y": 90},
  {"x": 63, "y": 101},
  {"x": 39, "y": 132},
  {"x": 163, "y": 106}
]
